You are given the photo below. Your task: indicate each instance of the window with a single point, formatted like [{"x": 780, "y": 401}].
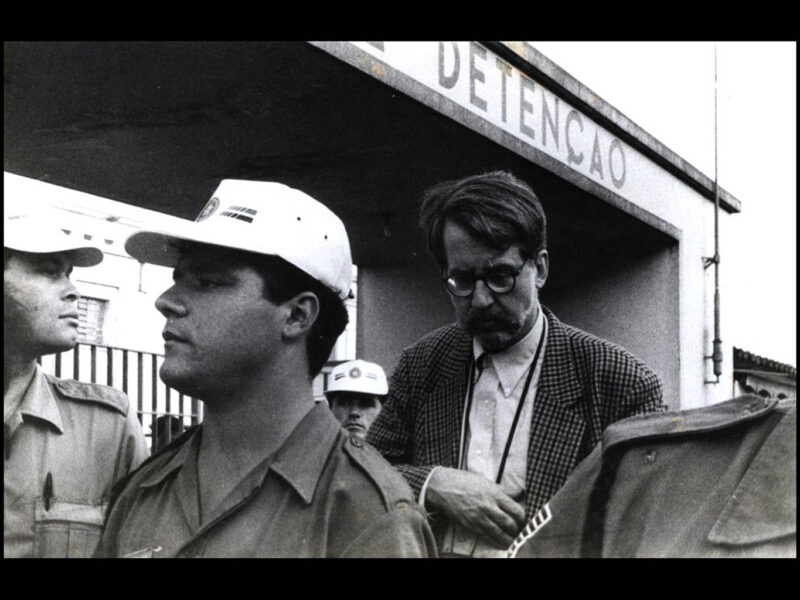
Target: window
[{"x": 91, "y": 316}]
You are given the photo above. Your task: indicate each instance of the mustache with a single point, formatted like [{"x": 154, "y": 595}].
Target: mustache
[
  {"x": 483, "y": 323},
  {"x": 477, "y": 317}
]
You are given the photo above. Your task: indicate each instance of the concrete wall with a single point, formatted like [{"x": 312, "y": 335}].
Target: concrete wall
[
  {"x": 694, "y": 216},
  {"x": 397, "y": 306},
  {"x": 635, "y": 304}
]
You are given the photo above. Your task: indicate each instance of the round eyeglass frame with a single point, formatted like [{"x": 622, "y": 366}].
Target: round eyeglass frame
[{"x": 450, "y": 286}]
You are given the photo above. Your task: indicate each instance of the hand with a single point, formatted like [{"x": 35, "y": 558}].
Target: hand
[{"x": 476, "y": 504}]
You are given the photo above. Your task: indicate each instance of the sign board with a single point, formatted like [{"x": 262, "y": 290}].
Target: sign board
[{"x": 470, "y": 83}]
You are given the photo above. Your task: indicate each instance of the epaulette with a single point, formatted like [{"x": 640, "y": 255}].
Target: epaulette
[
  {"x": 394, "y": 489},
  {"x": 90, "y": 392},
  {"x": 688, "y": 422}
]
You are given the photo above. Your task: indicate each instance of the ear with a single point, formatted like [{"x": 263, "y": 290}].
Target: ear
[
  {"x": 303, "y": 313},
  {"x": 542, "y": 263}
]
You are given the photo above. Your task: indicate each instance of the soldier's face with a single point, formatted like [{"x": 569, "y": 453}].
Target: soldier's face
[
  {"x": 354, "y": 411},
  {"x": 220, "y": 328},
  {"x": 40, "y": 304},
  {"x": 497, "y": 320}
]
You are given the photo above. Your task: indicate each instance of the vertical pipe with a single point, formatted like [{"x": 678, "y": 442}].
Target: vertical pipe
[{"x": 716, "y": 354}]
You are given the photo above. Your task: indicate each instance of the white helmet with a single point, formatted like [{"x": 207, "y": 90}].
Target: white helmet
[{"x": 358, "y": 376}]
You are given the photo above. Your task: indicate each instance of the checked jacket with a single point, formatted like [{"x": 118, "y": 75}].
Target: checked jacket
[{"x": 586, "y": 384}]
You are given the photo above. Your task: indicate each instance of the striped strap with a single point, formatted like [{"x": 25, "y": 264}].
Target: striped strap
[{"x": 539, "y": 520}]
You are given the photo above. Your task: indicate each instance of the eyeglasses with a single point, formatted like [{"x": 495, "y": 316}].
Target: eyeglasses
[{"x": 500, "y": 281}]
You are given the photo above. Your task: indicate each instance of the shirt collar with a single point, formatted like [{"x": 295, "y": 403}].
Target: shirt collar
[
  {"x": 176, "y": 461},
  {"x": 299, "y": 461},
  {"x": 302, "y": 458},
  {"x": 511, "y": 363},
  {"x": 38, "y": 402}
]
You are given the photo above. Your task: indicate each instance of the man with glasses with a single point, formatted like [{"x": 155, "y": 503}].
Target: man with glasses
[{"x": 486, "y": 418}]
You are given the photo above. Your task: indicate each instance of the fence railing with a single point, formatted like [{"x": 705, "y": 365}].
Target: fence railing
[{"x": 163, "y": 411}]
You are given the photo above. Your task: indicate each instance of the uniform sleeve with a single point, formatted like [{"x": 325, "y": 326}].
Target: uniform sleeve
[
  {"x": 392, "y": 432},
  {"x": 105, "y": 548},
  {"x": 133, "y": 447},
  {"x": 403, "y": 533},
  {"x": 115, "y": 515},
  {"x": 133, "y": 451}
]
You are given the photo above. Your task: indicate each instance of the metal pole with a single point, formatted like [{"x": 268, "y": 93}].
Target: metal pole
[{"x": 717, "y": 352}]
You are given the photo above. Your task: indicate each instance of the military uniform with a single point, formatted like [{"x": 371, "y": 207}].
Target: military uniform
[
  {"x": 718, "y": 481},
  {"x": 65, "y": 446},
  {"x": 322, "y": 494}
]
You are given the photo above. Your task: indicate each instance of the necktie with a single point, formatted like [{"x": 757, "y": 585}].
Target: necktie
[{"x": 479, "y": 365}]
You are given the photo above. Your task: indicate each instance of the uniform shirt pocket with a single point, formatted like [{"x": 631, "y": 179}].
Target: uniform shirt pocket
[{"x": 67, "y": 530}]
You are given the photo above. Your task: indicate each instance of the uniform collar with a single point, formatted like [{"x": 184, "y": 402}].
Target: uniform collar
[
  {"x": 512, "y": 363},
  {"x": 302, "y": 458},
  {"x": 299, "y": 461},
  {"x": 38, "y": 402},
  {"x": 180, "y": 455}
]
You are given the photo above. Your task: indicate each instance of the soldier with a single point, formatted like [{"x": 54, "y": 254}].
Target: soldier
[
  {"x": 66, "y": 442},
  {"x": 254, "y": 312},
  {"x": 718, "y": 481},
  {"x": 356, "y": 391}
]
